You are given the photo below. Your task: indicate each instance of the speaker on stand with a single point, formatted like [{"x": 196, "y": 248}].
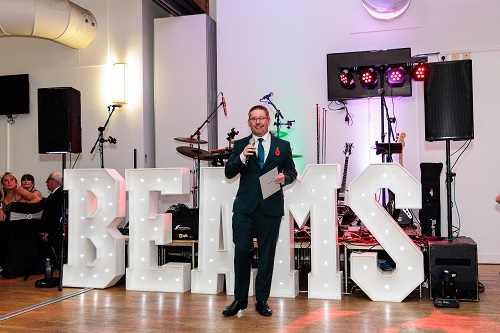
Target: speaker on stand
[
  {"x": 59, "y": 120},
  {"x": 448, "y": 111},
  {"x": 59, "y": 132}
]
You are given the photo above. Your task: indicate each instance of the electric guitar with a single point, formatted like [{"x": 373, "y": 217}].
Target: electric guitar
[
  {"x": 395, "y": 213},
  {"x": 341, "y": 195},
  {"x": 404, "y": 216},
  {"x": 344, "y": 212},
  {"x": 401, "y": 140}
]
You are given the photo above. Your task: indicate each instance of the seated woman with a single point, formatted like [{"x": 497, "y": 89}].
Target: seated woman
[
  {"x": 28, "y": 183},
  {"x": 10, "y": 192}
]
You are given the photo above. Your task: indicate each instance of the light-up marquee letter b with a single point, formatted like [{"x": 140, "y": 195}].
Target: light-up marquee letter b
[{"x": 96, "y": 249}]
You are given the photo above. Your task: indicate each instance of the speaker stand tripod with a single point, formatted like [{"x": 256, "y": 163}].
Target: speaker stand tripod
[{"x": 449, "y": 178}]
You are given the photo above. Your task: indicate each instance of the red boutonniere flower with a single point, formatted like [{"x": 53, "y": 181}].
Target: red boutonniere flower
[{"x": 277, "y": 152}]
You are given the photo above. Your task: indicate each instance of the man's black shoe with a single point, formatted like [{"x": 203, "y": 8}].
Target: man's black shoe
[
  {"x": 263, "y": 308},
  {"x": 234, "y": 307}
]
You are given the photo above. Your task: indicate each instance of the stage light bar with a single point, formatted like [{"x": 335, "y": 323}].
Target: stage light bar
[
  {"x": 419, "y": 72},
  {"x": 368, "y": 78},
  {"x": 395, "y": 76},
  {"x": 346, "y": 79}
]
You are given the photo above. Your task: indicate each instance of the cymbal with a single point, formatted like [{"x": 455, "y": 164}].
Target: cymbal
[
  {"x": 281, "y": 135},
  {"x": 193, "y": 153},
  {"x": 222, "y": 150},
  {"x": 190, "y": 140}
]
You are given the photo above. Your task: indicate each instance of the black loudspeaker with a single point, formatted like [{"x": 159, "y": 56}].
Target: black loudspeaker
[
  {"x": 430, "y": 214},
  {"x": 59, "y": 121},
  {"x": 448, "y": 101},
  {"x": 458, "y": 256}
]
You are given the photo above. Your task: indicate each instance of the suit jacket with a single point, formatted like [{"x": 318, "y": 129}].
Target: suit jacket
[
  {"x": 249, "y": 192},
  {"x": 52, "y": 212}
]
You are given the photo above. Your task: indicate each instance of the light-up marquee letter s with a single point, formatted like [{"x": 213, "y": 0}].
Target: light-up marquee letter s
[
  {"x": 148, "y": 229},
  {"x": 379, "y": 285},
  {"x": 96, "y": 249}
]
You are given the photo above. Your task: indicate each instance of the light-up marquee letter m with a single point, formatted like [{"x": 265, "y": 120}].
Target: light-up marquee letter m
[
  {"x": 391, "y": 286},
  {"x": 312, "y": 196}
]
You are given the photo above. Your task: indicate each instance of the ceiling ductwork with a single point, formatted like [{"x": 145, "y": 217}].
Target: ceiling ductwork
[{"x": 59, "y": 20}]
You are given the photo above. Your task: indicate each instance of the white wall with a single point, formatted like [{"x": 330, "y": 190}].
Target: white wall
[
  {"x": 269, "y": 45},
  {"x": 124, "y": 35}
]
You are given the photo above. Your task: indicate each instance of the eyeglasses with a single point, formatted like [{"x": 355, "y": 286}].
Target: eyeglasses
[{"x": 254, "y": 120}]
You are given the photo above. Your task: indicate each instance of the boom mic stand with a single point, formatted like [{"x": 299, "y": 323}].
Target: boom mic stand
[
  {"x": 100, "y": 138},
  {"x": 384, "y": 113},
  {"x": 197, "y": 133},
  {"x": 278, "y": 117}
]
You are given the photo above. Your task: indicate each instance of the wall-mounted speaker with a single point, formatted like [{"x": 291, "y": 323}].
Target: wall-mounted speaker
[
  {"x": 448, "y": 101},
  {"x": 458, "y": 256},
  {"x": 59, "y": 120}
]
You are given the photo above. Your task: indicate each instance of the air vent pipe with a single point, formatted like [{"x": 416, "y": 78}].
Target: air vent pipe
[{"x": 59, "y": 20}]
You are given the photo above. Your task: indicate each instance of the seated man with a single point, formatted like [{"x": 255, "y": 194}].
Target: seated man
[{"x": 53, "y": 215}]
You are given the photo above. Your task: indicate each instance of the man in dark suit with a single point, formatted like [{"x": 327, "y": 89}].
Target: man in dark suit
[
  {"x": 53, "y": 211},
  {"x": 254, "y": 216}
]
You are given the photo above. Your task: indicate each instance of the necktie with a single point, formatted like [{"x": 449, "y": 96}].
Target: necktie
[{"x": 260, "y": 153}]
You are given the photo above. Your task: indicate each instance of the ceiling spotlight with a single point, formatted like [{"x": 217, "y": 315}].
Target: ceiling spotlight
[
  {"x": 346, "y": 79},
  {"x": 419, "y": 72},
  {"x": 368, "y": 78},
  {"x": 395, "y": 76}
]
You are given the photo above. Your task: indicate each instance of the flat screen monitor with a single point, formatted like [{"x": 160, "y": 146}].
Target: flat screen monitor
[
  {"x": 380, "y": 59},
  {"x": 14, "y": 94}
]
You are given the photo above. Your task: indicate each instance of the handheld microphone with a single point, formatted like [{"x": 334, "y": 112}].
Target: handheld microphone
[
  {"x": 224, "y": 105},
  {"x": 271, "y": 94},
  {"x": 250, "y": 142},
  {"x": 116, "y": 106}
]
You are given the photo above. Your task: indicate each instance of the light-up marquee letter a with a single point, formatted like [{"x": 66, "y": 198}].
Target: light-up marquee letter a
[{"x": 379, "y": 285}]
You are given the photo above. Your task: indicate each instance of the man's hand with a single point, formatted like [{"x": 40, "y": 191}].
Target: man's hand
[
  {"x": 249, "y": 150},
  {"x": 280, "y": 178}
]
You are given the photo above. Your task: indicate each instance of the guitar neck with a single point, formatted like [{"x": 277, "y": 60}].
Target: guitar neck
[{"x": 344, "y": 176}]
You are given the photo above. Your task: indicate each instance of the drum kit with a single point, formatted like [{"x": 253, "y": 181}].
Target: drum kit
[
  {"x": 217, "y": 156},
  {"x": 194, "y": 151}
]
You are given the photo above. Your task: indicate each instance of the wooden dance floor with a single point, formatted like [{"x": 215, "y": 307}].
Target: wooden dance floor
[{"x": 25, "y": 308}]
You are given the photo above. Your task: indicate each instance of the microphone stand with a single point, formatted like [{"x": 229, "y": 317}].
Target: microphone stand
[
  {"x": 100, "y": 139},
  {"x": 197, "y": 133},
  {"x": 278, "y": 116},
  {"x": 386, "y": 158}
]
